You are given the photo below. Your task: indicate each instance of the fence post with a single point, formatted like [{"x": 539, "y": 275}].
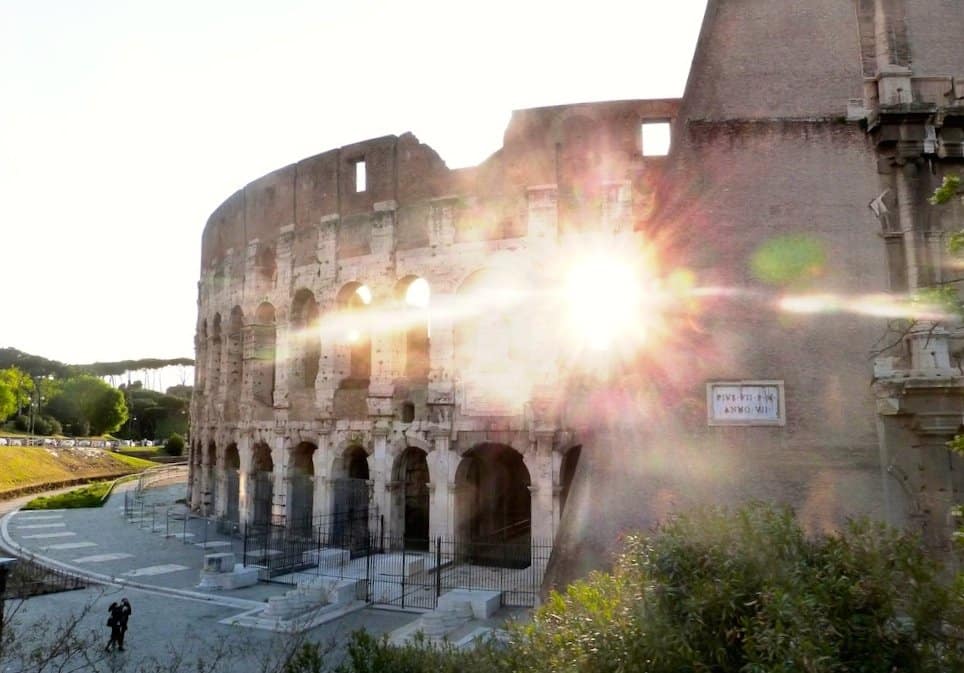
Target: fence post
[
  {"x": 244, "y": 546},
  {"x": 403, "y": 573},
  {"x": 153, "y": 516},
  {"x": 438, "y": 568},
  {"x": 167, "y": 523},
  {"x": 184, "y": 531},
  {"x": 205, "y": 532}
]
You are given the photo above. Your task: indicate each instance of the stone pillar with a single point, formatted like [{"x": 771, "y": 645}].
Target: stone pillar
[
  {"x": 441, "y": 513},
  {"x": 281, "y": 484},
  {"x": 220, "y": 504},
  {"x": 322, "y": 464},
  {"x": 539, "y": 463},
  {"x": 245, "y": 481},
  {"x": 380, "y": 473}
]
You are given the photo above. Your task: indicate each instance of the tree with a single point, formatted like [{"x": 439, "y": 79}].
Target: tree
[
  {"x": 89, "y": 401},
  {"x": 20, "y": 383},
  {"x": 8, "y": 400}
]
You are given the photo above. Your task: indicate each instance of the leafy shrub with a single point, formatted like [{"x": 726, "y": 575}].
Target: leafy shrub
[
  {"x": 749, "y": 592},
  {"x": 22, "y": 423},
  {"x": 91, "y": 495},
  {"x": 367, "y": 654},
  {"x": 727, "y": 592},
  {"x": 174, "y": 445}
]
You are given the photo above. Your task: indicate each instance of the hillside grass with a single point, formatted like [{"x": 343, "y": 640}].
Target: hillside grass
[
  {"x": 26, "y": 466},
  {"x": 92, "y": 495}
]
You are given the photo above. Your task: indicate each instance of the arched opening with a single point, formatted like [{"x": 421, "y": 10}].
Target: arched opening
[
  {"x": 264, "y": 334},
  {"x": 414, "y": 294},
  {"x": 263, "y": 483},
  {"x": 351, "y": 495},
  {"x": 490, "y": 344},
  {"x": 210, "y": 478},
  {"x": 235, "y": 365},
  {"x": 232, "y": 482},
  {"x": 353, "y": 299},
  {"x": 201, "y": 356},
  {"x": 494, "y": 506},
  {"x": 302, "y": 480},
  {"x": 214, "y": 358},
  {"x": 411, "y": 473},
  {"x": 306, "y": 351},
  {"x": 566, "y": 472}
]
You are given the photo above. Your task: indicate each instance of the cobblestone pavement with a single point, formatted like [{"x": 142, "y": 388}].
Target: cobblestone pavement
[{"x": 144, "y": 560}]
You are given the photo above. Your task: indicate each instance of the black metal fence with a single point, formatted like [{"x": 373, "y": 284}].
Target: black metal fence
[
  {"x": 28, "y": 578},
  {"x": 397, "y": 571},
  {"x": 353, "y": 543}
]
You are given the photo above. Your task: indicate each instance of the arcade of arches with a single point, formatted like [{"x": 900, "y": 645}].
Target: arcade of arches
[
  {"x": 384, "y": 441},
  {"x": 485, "y": 494}
]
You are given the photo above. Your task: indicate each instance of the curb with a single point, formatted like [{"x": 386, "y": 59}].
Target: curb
[{"x": 16, "y": 549}]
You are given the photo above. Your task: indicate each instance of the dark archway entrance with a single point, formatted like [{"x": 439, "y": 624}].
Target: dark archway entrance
[
  {"x": 350, "y": 512},
  {"x": 566, "y": 473},
  {"x": 302, "y": 479},
  {"x": 412, "y": 473},
  {"x": 263, "y": 485},
  {"x": 494, "y": 506},
  {"x": 232, "y": 489}
]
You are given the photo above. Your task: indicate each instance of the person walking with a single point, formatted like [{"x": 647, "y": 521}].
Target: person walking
[
  {"x": 113, "y": 621},
  {"x": 124, "y": 613}
]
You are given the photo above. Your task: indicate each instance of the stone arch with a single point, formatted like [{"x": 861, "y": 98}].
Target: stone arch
[
  {"x": 266, "y": 263},
  {"x": 301, "y": 476},
  {"x": 306, "y": 350},
  {"x": 232, "y": 481},
  {"x": 262, "y": 473},
  {"x": 201, "y": 355},
  {"x": 488, "y": 338},
  {"x": 413, "y": 294},
  {"x": 235, "y": 365},
  {"x": 353, "y": 300},
  {"x": 350, "y": 498},
  {"x": 411, "y": 475},
  {"x": 214, "y": 357},
  {"x": 493, "y": 505},
  {"x": 264, "y": 354}
]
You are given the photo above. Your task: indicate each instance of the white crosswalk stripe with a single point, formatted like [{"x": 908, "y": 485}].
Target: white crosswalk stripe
[
  {"x": 37, "y": 536},
  {"x": 42, "y": 525},
  {"x": 68, "y": 545},
  {"x": 100, "y": 558},
  {"x": 155, "y": 570}
]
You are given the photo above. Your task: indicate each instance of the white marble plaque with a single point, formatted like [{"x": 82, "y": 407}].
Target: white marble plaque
[{"x": 745, "y": 403}]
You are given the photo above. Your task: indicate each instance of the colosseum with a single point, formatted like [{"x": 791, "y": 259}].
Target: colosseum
[
  {"x": 383, "y": 342},
  {"x": 585, "y": 332}
]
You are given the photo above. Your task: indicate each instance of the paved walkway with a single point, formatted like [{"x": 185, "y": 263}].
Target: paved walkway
[{"x": 159, "y": 575}]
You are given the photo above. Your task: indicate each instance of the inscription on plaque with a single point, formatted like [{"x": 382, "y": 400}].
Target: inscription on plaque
[{"x": 745, "y": 403}]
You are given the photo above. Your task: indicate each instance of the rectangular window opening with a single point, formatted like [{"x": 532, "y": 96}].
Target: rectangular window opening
[
  {"x": 360, "y": 177},
  {"x": 656, "y": 139}
]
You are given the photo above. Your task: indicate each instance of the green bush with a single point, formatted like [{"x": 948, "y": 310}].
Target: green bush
[
  {"x": 22, "y": 423},
  {"x": 174, "y": 445},
  {"x": 91, "y": 495},
  {"x": 727, "y": 592},
  {"x": 748, "y": 592},
  {"x": 367, "y": 654}
]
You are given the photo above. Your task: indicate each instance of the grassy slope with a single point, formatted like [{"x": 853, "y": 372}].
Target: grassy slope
[
  {"x": 28, "y": 465},
  {"x": 91, "y": 495}
]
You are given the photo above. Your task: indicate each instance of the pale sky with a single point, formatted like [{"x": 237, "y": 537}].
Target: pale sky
[{"x": 124, "y": 123}]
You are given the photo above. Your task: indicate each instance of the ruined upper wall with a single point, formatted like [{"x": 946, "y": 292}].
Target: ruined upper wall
[
  {"x": 766, "y": 59},
  {"x": 579, "y": 149},
  {"x": 398, "y": 168}
]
